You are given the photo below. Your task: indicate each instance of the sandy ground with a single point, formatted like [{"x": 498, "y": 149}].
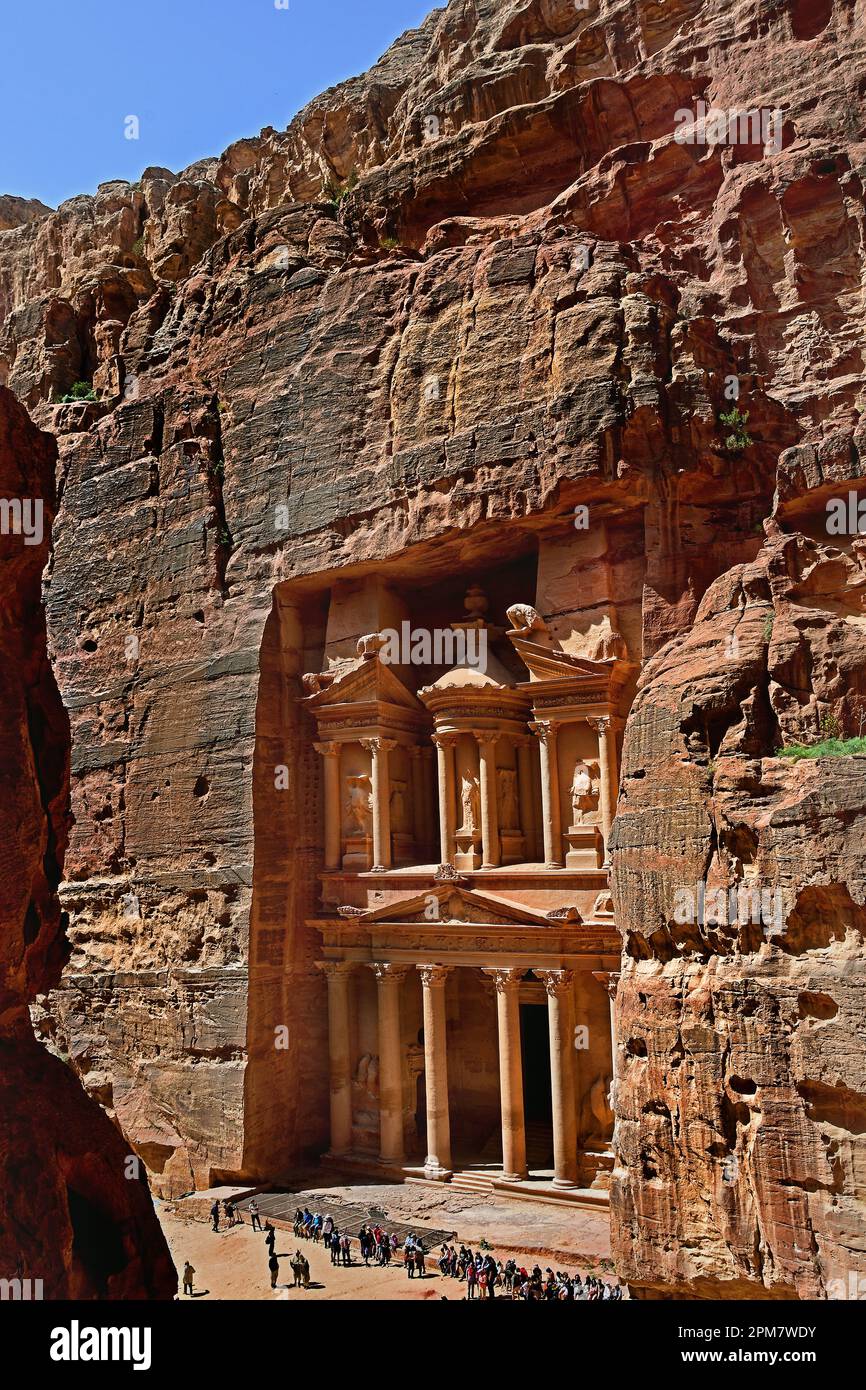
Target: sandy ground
[{"x": 233, "y": 1264}]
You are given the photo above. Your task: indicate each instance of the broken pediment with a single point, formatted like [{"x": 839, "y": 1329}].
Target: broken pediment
[
  {"x": 364, "y": 681},
  {"x": 449, "y": 903}
]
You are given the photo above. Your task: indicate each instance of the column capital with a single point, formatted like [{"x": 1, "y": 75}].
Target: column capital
[
  {"x": 445, "y": 740},
  {"x": 504, "y": 978},
  {"x": 558, "y": 983},
  {"x": 385, "y": 970},
  {"x": 490, "y": 736},
  {"x": 604, "y": 723},
  {"x": 334, "y": 968},
  {"x": 378, "y": 745},
  {"x": 328, "y": 750},
  {"x": 546, "y": 730},
  {"x": 434, "y": 976},
  {"x": 608, "y": 979}
]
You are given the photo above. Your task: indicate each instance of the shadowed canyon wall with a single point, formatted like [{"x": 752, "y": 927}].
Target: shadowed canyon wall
[
  {"x": 70, "y": 1217},
  {"x": 455, "y": 299}
]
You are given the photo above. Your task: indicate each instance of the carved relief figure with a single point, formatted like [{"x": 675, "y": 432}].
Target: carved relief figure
[
  {"x": 584, "y": 792},
  {"x": 507, "y": 788},
  {"x": 359, "y": 805},
  {"x": 470, "y": 798}
]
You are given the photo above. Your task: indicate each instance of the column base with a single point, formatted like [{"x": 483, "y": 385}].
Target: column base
[
  {"x": 515, "y": 1177},
  {"x": 437, "y": 1174},
  {"x": 563, "y": 1182}
]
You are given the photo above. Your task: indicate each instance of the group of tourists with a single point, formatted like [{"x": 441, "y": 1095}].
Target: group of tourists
[
  {"x": 487, "y": 1277},
  {"x": 374, "y": 1243},
  {"x": 483, "y": 1275},
  {"x": 230, "y": 1212}
]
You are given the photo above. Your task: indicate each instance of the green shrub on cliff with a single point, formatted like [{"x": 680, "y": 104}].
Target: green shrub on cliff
[
  {"x": 829, "y": 748},
  {"x": 81, "y": 391},
  {"x": 737, "y": 422}
]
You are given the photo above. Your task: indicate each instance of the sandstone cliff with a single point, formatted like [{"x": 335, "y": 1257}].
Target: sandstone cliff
[
  {"x": 455, "y": 298},
  {"x": 69, "y": 1214}
]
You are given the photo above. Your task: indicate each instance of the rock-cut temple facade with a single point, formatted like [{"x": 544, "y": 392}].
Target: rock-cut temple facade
[{"x": 469, "y": 778}]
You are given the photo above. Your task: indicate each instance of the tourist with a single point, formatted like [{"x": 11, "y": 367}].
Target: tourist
[
  {"x": 335, "y": 1246},
  {"x": 317, "y": 1227},
  {"x": 188, "y": 1272},
  {"x": 364, "y": 1241},
  {"x": 254, "y": 1215},
  {"x": 419, "y": 1258},
  {"x": 215, "y": 1215},
  {"x": 270, "y": 1237},
  {"x": 274, "y": 1267},
  {"x": 327, "y": 1228},
  {"x": 409, "y": 1256},
  {"x": 471, "y": 1279},
  {"x": 346, "y": 1250},
  {"x": 298, "y": 1221}
]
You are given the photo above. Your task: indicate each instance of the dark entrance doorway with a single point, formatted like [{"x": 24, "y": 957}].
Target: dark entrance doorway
[{"x": 537, "y": 1101}]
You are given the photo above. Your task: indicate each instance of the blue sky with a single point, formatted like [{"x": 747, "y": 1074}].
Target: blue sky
[{"x": 197, "y": 73}]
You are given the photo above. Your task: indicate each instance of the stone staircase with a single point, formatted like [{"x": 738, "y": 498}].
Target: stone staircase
[{"x": 473, "y": 1181}]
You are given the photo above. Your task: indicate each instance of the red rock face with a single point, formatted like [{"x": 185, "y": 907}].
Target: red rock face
[
  {"x": 739, "y": 1092},
  {"x": 457, "y": 297},
  {"x": 70, "y": 1216}
]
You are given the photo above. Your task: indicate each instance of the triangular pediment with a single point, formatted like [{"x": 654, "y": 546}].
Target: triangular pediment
[
  {"x": 370, "y": 681},
  {"x": 552, "y": 664},
  {"x": 444, "y": 903}
]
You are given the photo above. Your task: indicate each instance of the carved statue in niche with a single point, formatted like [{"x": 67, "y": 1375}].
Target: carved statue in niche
[
  {"x": 398, "y": 805},
  {"x": 600, "y": 1102},
  {"x": 367, "y": 1074},
  {"x": 470, "y": 799},
  {"x": 584, "y": 792},
  {"x": 507, "y": 791},
  {"x": 359, "y": 805}
]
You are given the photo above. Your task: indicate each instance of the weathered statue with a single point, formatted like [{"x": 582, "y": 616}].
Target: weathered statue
[
  {"x": 398, "y": 805},
  {"x": 359, "y": 805},
  {"x": 584, "y": 792},
  {"x": 507, "y": 780},
  {"x": 370, "y": 644},
  {"x": 470, "y": 798},
  {"x": 525, "y": 619}
]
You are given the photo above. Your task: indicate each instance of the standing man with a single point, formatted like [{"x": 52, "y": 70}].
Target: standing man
[
  {"x": 254, "y": 1215},
  {"x": 270, "y": 1237},
  {"x": 188, "y": 1272},
  {"x": 215, "y": 1215},
  {"x": 274, "y": 1267}
]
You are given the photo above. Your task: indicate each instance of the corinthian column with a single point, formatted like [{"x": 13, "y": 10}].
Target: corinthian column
[
  {"x": 438, "y": 1161},
  {"x": 338, "y": 973},
  {"x": 331, "y": 754},
  {"x": 608, "y": 777},
  {"x": 559, "y": 985},
  {"x": 389, "y": 978},
  {"x": 445, "y": 745},
  {"x": 550, "y": 814},
  {"x": 510, "y": 1073},
  {"x": 379, "y": 749},
  {"x": 490, "y": 850}
]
